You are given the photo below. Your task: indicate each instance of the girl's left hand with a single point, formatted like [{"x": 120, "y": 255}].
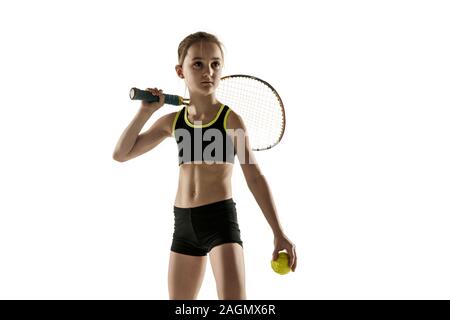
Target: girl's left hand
[{"x": 282, "y": 242}]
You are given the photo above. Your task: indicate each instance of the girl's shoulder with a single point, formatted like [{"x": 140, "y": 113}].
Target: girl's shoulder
[
  {"x": 166, "y": 121},
  {"x": 234, "y": 120}
]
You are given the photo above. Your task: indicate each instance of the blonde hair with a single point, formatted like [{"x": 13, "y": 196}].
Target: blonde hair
[{"x": 193, "y": 38}]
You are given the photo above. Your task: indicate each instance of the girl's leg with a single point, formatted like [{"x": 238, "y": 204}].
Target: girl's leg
[
  {"x": 227, "y": 262},
  {"x": 185, "y": 275}
]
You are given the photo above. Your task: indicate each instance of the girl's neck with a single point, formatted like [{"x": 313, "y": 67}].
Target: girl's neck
[{"x": 203, "y": 105}]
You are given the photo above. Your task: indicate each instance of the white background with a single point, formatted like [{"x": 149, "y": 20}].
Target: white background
[{"x": 360, "y": 179}]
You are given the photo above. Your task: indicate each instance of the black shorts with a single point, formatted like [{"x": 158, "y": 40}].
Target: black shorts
[{"x": 197, "y": 230}]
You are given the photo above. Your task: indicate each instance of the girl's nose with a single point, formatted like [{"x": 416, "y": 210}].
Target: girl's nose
[{"x": 209, "y": 71}]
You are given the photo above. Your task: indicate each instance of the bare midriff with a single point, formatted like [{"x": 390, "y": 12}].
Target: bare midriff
[{"x": 200, "y": 184}]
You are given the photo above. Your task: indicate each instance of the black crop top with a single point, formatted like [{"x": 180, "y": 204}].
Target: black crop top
[{"x": 208, "y": 143}]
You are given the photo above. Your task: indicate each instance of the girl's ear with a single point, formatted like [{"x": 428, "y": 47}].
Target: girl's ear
[{"x": 179, "y": 71}]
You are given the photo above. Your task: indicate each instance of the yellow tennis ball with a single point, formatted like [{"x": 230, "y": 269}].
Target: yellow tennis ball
[{"x": 281, "y": 265}]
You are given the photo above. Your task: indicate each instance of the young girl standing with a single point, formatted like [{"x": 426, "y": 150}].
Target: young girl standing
[{"x": 204, "y": 211}]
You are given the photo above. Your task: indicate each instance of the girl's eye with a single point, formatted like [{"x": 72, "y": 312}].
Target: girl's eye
[{"x": 198, "y": 64}]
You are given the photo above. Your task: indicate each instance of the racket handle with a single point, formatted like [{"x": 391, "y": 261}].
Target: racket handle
[{"x": 138, "y": 94}]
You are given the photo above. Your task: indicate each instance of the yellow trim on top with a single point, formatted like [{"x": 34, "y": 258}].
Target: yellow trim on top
[
  {"x": 225, "y": 118},
  {"x": 206, "y": 125},
  {"x": 175, "y": 121}
]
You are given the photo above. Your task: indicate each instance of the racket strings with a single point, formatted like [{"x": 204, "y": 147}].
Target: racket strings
[{"x": 259, "y": 107}]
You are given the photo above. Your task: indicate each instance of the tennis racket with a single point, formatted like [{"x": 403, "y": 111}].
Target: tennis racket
[{"x": 255, "y": 100}]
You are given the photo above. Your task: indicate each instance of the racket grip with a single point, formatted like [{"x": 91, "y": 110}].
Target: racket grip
[{"x": 138, "y": 94}]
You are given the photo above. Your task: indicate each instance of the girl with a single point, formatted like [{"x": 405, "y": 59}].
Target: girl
[{"x": 205, "y": 213}]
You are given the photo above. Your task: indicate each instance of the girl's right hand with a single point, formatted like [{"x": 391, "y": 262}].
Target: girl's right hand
[{"x": 153, "y": 106}]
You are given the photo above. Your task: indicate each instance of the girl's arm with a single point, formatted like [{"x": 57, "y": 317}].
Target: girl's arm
[
  {"x": 259, "y": 187},
  {"x": 132, "y": 144}
]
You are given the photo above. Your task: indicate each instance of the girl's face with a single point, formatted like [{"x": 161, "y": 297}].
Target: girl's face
[{"x": 202, "y": 67}]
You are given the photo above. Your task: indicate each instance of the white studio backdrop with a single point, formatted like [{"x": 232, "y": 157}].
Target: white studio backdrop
[{"x": 360, "y": 179}]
